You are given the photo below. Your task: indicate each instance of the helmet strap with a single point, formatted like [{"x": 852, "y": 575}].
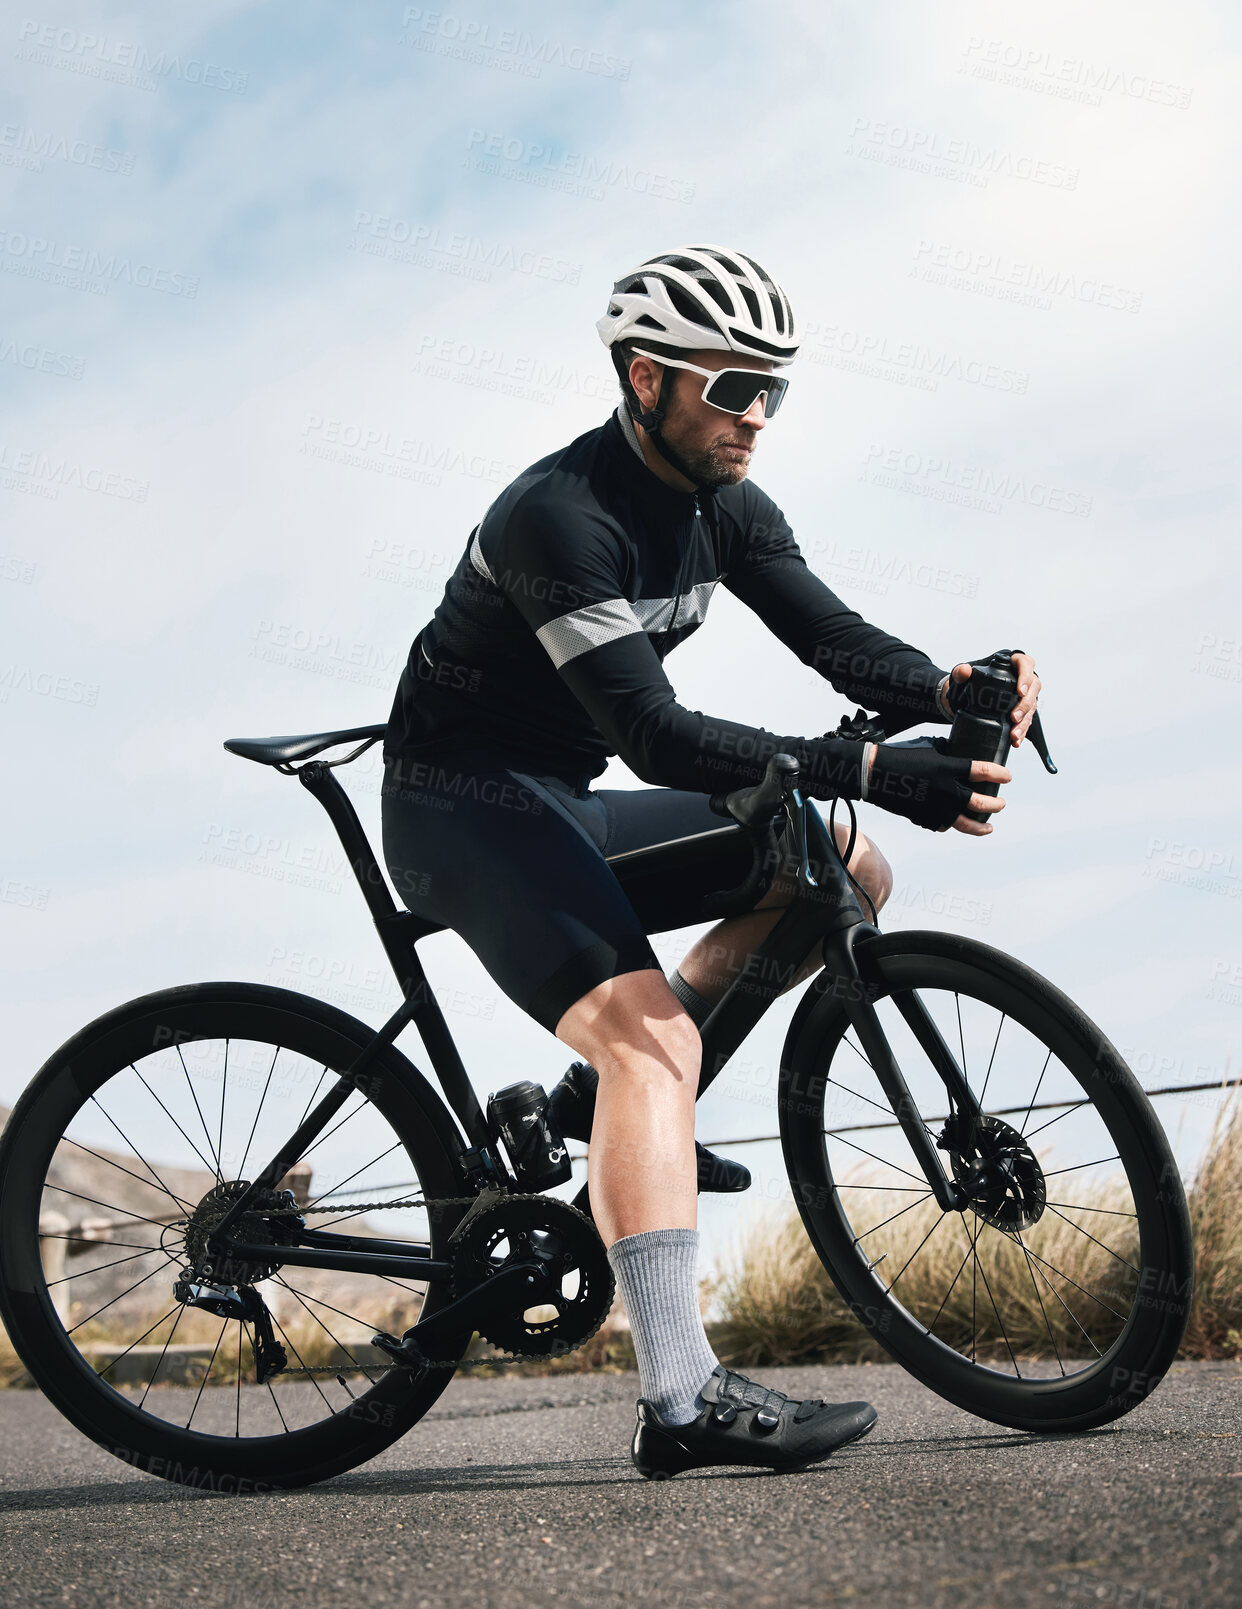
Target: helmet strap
[{"x": 651, "y": 419}]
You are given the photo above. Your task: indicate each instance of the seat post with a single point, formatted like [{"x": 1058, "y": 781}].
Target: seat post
[
  {"x": 318, "y": 778},
  {"x": 397, "y": 930}
]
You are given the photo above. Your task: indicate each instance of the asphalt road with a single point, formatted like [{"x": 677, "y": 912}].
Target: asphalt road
[{"x": 520, "y": 1492}]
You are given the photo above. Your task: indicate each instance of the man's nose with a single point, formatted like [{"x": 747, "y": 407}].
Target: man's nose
[{"x": 753, "y": 417}]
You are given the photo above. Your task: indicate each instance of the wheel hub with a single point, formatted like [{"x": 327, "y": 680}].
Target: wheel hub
[
  {"x": 255, "y": 1226},
  {"x": 1001, "y": 1176}
]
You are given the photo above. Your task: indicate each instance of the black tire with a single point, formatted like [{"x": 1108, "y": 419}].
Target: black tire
[
  {"x": 346, "y": 1425},
  {"x": 1127, "y": 1322}
]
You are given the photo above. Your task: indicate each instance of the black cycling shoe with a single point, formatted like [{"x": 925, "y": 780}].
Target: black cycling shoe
[
  {"x": 746, "y": 1423},
  {"x": 571, "y": 1107}
]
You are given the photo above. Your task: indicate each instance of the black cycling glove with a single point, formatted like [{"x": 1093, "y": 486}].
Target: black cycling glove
[{"x": 921, "y": 781}]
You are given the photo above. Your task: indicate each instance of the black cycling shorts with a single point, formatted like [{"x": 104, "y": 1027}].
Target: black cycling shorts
[{"x": 516, "y": 864}]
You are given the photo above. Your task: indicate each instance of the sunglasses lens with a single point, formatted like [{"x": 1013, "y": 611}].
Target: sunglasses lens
[{"x": 735, "y": 390}]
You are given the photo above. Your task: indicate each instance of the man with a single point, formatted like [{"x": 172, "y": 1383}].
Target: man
[{"x": 543, "y": 659}]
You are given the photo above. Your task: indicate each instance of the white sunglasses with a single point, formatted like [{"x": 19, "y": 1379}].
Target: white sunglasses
[{"x": 733, "y": 391}]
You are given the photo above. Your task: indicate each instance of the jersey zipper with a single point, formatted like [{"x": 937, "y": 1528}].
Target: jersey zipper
[{"x": 677, "y": 600}]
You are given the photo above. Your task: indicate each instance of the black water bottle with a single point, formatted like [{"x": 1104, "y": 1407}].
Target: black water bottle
[
  {"x": 981, "y": 724},
  {"x": 540, "y": 1157}
]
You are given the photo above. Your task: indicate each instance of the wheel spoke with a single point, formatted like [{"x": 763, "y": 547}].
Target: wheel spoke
[
  {"x": 167, "y": 1191},
  {"x": 873, "y": 1156},
  {"x": 908, "y": 1208},
  {"x": 314, "y": 1200},
  {"x": 1069, "y": 1281},
  {"x": 159, "y": 1364},
  {"x": 241, "y": 1172},
  {"x": 1026, "y": 1257},
  {"x": 169, "y": 1262},
  {"x": 99, "y": 1267},
  {"x": 206, "y": 1134},
  {"x": 915, "y": 1252},
  {"x": 1099, "y": 1243},
  {"x": 1026, "y": 1116},
  {"x": 983, "y": 1094},
  {"x": 983, "y": 1275},
  {"x": 224, "y": 1324},
  {"x": 1050, "y": 1173},
  {"x": 173, "y": 1120}
]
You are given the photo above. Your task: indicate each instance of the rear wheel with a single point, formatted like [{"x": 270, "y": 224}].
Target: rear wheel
[
  {"x": 1056, "y": 1299},
  {"x": 131, "y": 1138}
]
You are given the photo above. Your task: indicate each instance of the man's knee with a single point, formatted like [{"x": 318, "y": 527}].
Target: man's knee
[
  {"x": 633, "y": 1021},
  {"x": 868, "y": 864}
]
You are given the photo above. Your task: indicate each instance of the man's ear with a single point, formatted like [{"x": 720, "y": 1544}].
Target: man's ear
[{"x": 645, "y": 378}]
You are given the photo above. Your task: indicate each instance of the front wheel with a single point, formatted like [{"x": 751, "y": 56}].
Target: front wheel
[
  {"x": 1054, "y": 1300},
  {"x": 113, "y": 1167}
]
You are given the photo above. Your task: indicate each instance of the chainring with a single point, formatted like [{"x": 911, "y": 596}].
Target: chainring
[{"x": 554, "y": 1232}]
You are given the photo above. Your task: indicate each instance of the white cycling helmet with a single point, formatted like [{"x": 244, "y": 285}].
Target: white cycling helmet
[{"x": 703, "y": 298}]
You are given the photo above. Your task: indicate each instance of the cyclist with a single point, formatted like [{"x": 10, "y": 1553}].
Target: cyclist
[{"x": 543, "y": 659}]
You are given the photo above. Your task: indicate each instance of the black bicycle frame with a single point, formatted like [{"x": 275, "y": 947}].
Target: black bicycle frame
[{"x": 824, "y": 909}]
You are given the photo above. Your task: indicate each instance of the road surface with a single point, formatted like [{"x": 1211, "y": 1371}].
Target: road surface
[{"x": 519, "y": 1492}]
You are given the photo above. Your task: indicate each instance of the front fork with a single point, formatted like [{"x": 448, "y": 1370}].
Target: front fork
[{"x": 860, "y": 989}]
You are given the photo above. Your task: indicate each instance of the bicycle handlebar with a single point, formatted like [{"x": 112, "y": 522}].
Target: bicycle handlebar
[{"x": 756, "y": 809}]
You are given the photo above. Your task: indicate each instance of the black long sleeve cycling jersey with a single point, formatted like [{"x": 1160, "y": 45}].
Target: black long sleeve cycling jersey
[{"x": 547, "y": 648}]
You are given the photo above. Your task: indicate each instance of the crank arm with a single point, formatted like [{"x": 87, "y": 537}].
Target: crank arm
[{"x": 432, "y": 1339}]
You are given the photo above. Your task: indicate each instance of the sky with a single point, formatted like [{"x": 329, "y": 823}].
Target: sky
[{"x": 292, "y": 291}]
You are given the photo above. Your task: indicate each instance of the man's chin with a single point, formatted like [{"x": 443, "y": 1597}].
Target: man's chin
[{"x": 722, "y": 469}]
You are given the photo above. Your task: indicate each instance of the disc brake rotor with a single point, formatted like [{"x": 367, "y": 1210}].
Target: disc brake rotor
[
  {"x": 1003, "y": 1176},
  {"x": 520, "y": 1228}
]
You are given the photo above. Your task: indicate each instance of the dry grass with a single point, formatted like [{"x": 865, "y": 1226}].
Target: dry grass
[{"x": 1215, "y": 1195}]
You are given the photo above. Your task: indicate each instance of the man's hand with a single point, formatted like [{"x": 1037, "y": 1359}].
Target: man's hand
[
  {"x": 1028, "y": 687},
  {"x": 920, "y": 781},
  {"x": 981, "y": 771}
]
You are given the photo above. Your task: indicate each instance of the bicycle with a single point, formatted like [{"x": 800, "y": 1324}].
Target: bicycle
[{"x": 916, "y": 1018}]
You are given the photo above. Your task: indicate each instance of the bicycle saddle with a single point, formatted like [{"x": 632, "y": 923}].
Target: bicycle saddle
[{"x": 284, "y": 750}]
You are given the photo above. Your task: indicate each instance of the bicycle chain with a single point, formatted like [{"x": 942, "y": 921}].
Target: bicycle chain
[{"x": 355, "y": 1209}]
